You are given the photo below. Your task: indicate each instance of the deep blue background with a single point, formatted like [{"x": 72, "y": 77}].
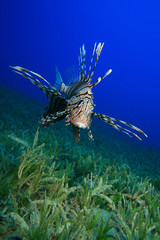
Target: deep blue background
[{"x": 40, "y": 34}]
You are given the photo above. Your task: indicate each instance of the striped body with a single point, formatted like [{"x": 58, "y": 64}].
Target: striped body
[
  {"x": 77, "y": 105},
  {"x": 80, "y": 107}
]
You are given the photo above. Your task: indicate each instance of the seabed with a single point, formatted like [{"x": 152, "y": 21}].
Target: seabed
[{"x": 54, "y": 188}]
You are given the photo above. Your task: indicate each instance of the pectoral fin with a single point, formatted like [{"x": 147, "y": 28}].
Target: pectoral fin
[{"x": 112, "y": 122}]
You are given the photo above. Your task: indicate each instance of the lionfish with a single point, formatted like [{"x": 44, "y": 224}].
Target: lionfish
[{"x": 77, "y": 105}]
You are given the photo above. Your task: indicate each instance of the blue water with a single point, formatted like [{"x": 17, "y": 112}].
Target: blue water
[{"x": 40, "y": 34}]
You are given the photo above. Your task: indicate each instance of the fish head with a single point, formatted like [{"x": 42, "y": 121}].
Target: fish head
[{"x": 80, "y": 116}]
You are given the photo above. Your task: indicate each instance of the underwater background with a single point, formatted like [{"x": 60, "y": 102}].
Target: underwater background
[
  {"x": 41, "y": 34},
  {"x": 50, "y": 186}
]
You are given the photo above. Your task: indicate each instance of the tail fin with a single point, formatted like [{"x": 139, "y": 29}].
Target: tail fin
[
  {"x": 59, "y": 80},
  {"x": 111, "y": 121},
  {"x": 32, "y": 77}
]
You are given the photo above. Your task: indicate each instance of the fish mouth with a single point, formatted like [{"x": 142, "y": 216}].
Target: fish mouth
[{"x": 80, "y": 125}]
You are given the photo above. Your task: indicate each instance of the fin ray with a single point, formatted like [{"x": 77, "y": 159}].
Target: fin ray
[
  {"x": 112, "y": 122},
  {"x": 30, "y": 75},
  {"x": 49, "y": 119},
  {"x": 76, "y": 132}
]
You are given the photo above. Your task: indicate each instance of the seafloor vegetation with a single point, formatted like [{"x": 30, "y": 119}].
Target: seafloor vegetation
[{"x": 53, "y": 188}]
